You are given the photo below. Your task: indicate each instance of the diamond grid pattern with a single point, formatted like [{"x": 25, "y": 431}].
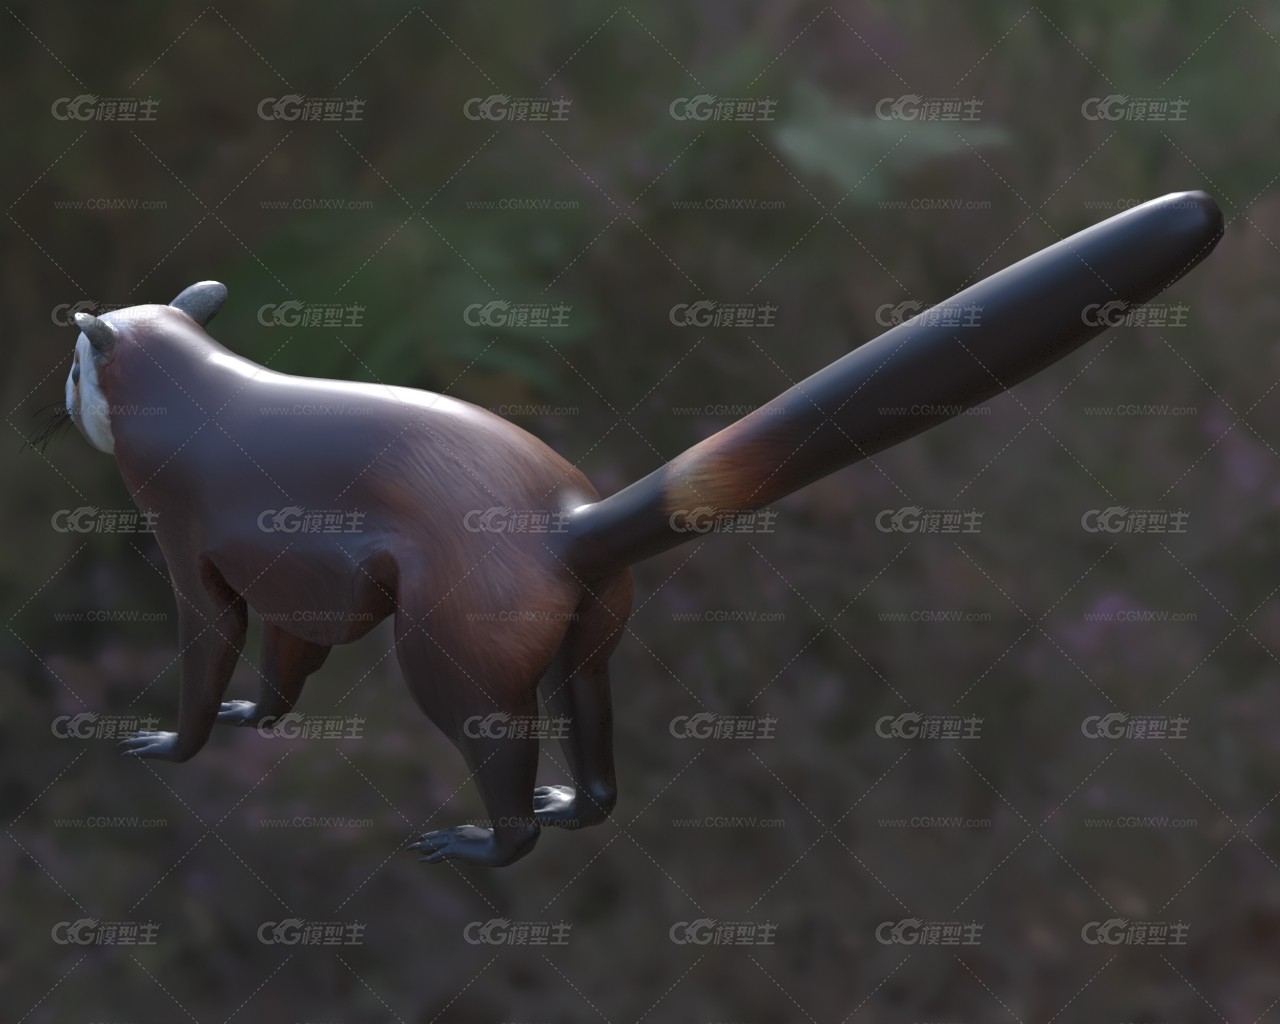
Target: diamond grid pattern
[{"x": 649, "y": 868}]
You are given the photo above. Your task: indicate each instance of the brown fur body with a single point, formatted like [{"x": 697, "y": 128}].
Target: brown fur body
[{"x": 214, "y": 444}]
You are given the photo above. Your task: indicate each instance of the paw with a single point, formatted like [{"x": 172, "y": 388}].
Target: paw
[
  {"x": 474, "y": 845},
  {"x": 239, "y": 712},
  {"x": 162, "y": 746},
  {"x": 565, "y": 807},
  {"x": 554, "y": 805},
  {"x": 466, "y": 842}
]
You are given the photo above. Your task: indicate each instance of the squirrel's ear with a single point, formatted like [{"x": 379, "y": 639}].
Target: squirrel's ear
[
  {"x": 101, "y": 334},
  {"x": 201, "y": 301}
]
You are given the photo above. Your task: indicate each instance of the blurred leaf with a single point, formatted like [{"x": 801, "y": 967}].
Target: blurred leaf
[{"x": 864, "y": 152}]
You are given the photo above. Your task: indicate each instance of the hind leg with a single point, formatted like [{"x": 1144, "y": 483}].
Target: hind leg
[
  {"x": 504, "y": 770},
  {"x": 580, "y": 701},
  {"x": 576, "y": 693},
  {"x": 285, "y": 663},
  {"x": 503, "y": 758}
]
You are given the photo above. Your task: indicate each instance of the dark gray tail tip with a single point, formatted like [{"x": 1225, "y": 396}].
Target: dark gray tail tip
[{"x": 1202, "y": 216}]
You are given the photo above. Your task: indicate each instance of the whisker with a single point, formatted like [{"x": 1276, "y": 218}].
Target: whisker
[{"x": 53, "y": 420}]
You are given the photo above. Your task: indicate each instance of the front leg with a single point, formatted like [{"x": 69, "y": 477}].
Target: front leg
[
  {"x": 285, "y": 664},
  {"x": 212, "y": 621}
]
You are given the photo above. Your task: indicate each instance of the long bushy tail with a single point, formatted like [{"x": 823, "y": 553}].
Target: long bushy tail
[{"x": 982, "y": 341}]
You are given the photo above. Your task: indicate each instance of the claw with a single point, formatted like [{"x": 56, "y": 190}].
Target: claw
[
  {"x": 237, "y": 712},
  {"x": 150, "y": 743}
]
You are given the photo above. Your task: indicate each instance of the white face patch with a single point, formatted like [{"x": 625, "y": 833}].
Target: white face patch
[{"x": 85, "y": 400}]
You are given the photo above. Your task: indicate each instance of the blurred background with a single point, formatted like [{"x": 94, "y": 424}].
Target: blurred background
[{"x": 1025, "y": 767}]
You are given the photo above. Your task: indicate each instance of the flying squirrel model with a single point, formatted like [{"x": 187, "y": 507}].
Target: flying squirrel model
[{"x": 413, "y": 475}]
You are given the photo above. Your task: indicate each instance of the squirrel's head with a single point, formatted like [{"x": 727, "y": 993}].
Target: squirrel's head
[{"x": 102, "y": 341}]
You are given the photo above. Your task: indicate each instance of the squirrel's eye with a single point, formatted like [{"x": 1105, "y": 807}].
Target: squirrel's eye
[{"x": 75, "y": 374}]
